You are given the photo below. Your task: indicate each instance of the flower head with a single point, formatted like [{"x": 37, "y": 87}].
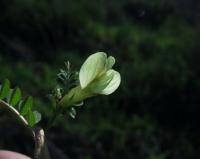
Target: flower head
[
  {"x": 97, "y": 74},
  {"x": 96, "y": 77}
]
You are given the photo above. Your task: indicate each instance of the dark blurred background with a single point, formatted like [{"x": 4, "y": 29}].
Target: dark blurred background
[{"x": 155, "y": 112}]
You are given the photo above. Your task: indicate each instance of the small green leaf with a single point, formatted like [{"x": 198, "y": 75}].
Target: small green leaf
[
  {"x": 26, "y": 105},
  {"x": 20, "y": 105},
  {"x": 4, "y": 89},
  {"x": 15, "y": 97},
  {"x": 9, "y": 95},
  {"x": 37, "y": 116},
  {"x": 72, "y": 113},
  {"x": 30, "y": 118}
]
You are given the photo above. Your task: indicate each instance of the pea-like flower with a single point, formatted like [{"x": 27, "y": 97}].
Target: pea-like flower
[
  {"x": 96, "y": 77},
  {"x": 97, "y": 74}
]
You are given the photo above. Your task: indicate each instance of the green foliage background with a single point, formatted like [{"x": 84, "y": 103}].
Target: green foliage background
[{"x": 153, "y": 115}]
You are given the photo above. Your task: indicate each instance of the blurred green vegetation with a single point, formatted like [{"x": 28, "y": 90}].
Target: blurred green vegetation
[{"x": 153, "y": 115}]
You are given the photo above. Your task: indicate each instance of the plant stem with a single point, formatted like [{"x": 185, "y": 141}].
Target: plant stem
[
  {"x": 55, "y": 115},
  {"x": 15, "y": 113},
  {"x": 41, "y": 150}
]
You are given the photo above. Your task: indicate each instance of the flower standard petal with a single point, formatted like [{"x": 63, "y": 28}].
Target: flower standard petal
[{"x": 92, "y": 67}]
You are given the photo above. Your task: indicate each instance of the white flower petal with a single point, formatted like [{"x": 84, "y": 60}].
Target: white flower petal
[
  {"x": 110, "y": 62},
  {"x": 107, "y": 83},
  {"x": 92, "y": 67}
]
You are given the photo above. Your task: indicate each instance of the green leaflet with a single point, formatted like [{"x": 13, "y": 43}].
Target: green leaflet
[
  {"x": 5, "y": 89},
  {"x": 37, "y": 116},
  {"x": 26, "y": 105},
  {"x": 30, "y": 118},
  {"x": 9, "y": 95},
  {"x": 15, "y": 96}
]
